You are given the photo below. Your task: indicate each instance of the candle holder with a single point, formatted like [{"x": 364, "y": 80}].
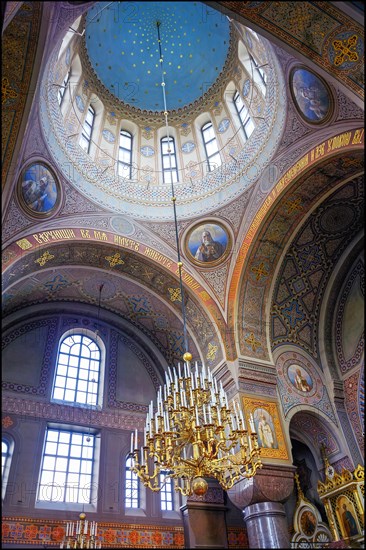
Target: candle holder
[{"x": 81, "y": 534}]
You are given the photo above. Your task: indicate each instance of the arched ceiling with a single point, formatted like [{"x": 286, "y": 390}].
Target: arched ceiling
[
  {"x": 25, "y": 273},
  {"x": 126, "y": 41}
]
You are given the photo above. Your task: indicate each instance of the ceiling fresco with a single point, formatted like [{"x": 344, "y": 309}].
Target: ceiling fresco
[
  {"x": 132, "y": 47},
  {"x": 261, "y": 296}
]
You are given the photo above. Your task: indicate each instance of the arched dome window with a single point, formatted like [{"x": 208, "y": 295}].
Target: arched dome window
[
  {"x": 169, "y": 160},
  {"x": 246, "y": 122},
  {"x": 210, "y": 142},
  {"x": 259, "y": 75},
  {"x": 62, "y": 89},
  {"x": 124, "y": 163},
  {"x": 86, "y": 134}
]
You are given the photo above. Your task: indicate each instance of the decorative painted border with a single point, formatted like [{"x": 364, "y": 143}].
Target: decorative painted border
[
  {"x": 21, "y": 530},
  {"x": 26, "y": 531}
]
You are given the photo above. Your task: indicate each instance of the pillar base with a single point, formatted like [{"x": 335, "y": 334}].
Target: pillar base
[
  {"x": 204, "y": 519},
  {"x": 267, "y": 525}
]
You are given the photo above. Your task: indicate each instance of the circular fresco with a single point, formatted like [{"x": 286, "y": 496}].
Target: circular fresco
[
  {"x": 38, "y": 190},
  {"x": 300, "y": 378},
  {"x": 311, "y": 95},
  {"x": 207, "y": 243}
]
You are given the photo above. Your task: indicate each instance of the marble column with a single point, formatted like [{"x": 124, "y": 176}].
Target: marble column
[
  {"x": 204, "y": 520},
  {"x": 261, "y": 500}
]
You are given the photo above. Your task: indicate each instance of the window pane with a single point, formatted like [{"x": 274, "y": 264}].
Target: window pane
[
  {"x": 249, "y": 127},
  {"x": 49, "y": 463},
  {"x": 125, "y": 142},
  {"x": 211, "y": 148},
  {"x": 81, "y": 397},
  {"x": 69, "y": 395},
  {"x": 124, "y": 156},
  {"x": 59, "y": 473},
  {"x": 51, "y": 448},
  {"x": 64, "y": 437},
  {"x": 208, "y": 133},
  {"x": 76, "y": 439},
  {"x": 71, "y": 383},
  {"x": 61, "y": 464},
  {"x": 63, "y": 359},
  {"x": 47, "y": 477},
  {"x": 73, "y": 361},
  {"x": 63, "y": 449}
]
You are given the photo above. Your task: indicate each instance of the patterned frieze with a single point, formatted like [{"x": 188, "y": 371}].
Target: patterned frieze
[
  {"x": 51, "y": 532},
  {"x": 123, "y": 418}
]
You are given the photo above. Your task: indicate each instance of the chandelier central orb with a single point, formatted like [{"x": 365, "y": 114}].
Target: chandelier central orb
[{"x": 195, "y": 44}]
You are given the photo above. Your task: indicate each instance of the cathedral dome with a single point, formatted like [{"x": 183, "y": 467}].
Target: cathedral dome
[{"x": 103, "y": 110}]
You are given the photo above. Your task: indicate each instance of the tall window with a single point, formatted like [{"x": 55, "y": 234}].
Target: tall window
[
  {"x": 62, "y": 90},
  {"x": 67, "y": 467},
  {"x": 85, "y": 138},
  {"x": 166, "y": 492},
  {"x": 169, "y": 160},
  {"x": 259, "y": 75},
  {"x": 212, "y": 151},
  {"x": 124, "y": 164},
  {"x": 4, "y": 455},
  {"x": 78, "y": 371},
  {"x": 243, "y": 114},
  {"x": 7, "y": 449},
  {"x": 132, "y": 491}
]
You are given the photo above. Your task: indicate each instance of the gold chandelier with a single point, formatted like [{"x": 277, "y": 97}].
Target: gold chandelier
[
  {"x": 193, "y": 433},
  {"x": 81, "y": 534}
]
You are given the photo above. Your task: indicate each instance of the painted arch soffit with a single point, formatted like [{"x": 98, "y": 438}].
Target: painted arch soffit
[
  {"x": 74, "y": 272},
  {"x": 261, "y": 267}
]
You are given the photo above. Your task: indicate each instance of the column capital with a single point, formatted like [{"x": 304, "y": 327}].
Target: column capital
[{"x": 272, "y": 483}]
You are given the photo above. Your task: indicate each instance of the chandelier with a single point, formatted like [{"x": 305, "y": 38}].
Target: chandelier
[
  {"x": 193, "y": 433},
  {"x": 81, "y": 534}
]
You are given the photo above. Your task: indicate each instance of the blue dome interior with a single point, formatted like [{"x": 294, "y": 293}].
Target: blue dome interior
[{"x": 123, "y": 48}]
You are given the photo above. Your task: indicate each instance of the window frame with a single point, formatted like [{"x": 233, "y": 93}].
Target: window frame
[
  {"x": 173, "y": 154},
  {"x": 62, "y": 89},
  {"x": 166, "y": 489},
  {"x": 94, "y": 494},
  {"x": 122, "y": 163},
  {"x": 87, "y": 129},
  {"x": 100, "y": 384},
  {"x": 262, "y": 74},
  {"x": 5, "y": 467},
  {"x": 213, "y": 140},
  {"x": 248, "y": 121},
  {"x": 131, "y": 477}
]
